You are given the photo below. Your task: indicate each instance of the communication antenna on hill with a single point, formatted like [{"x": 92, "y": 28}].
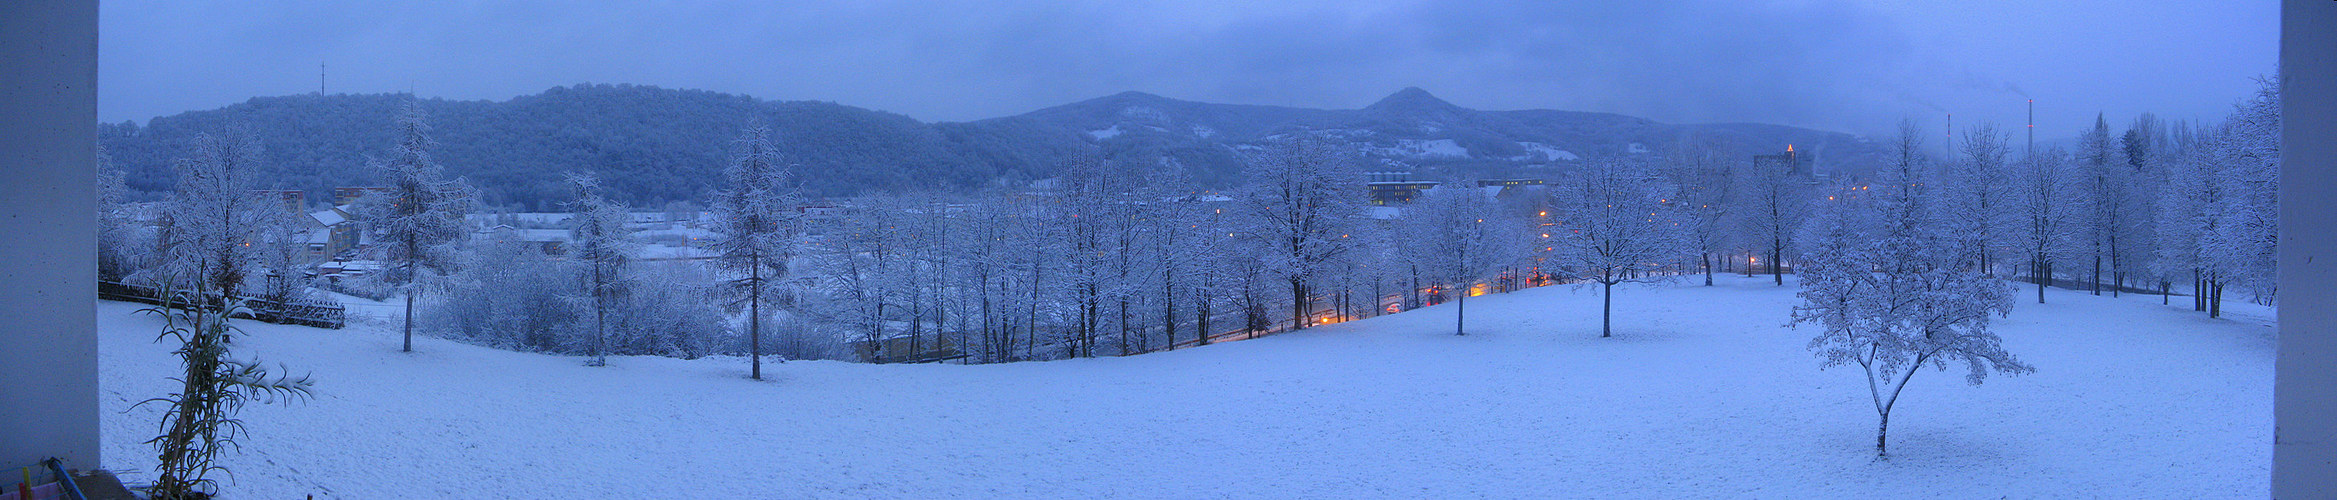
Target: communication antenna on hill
[
  {"x": 1951, "y": 132},
  {"x": 2032, "y": 149},
  {"x": 320, "y": 78}
]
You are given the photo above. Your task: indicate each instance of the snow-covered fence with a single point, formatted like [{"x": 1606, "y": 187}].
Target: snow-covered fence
[{"x": 304, "y": 312}]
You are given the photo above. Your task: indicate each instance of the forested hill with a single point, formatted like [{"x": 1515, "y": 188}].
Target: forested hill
[
  {"x": 655, "y": 145},
  {"x": 650, "y": 145}
]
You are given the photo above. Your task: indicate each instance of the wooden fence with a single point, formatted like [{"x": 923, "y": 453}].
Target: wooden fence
[{"x": 304, "y": 312}]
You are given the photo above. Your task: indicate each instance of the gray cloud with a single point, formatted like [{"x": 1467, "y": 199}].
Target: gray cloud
[{"x": 1841, "y": 65}]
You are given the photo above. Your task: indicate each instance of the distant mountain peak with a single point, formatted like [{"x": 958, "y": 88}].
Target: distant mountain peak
[{"x": 1412, "y": 99}]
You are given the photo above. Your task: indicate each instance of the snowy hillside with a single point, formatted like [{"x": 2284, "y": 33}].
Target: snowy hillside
[{"x": 1702, "y": 394}]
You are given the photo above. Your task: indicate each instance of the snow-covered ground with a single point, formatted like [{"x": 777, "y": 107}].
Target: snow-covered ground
[{"x": 1702, "y": 394}]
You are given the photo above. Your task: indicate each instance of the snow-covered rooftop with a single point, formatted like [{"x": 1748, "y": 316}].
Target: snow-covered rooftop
[{"x": 328, "y": 218}]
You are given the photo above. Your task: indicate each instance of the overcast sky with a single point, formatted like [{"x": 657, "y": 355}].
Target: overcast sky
[{"x": 1847, "y": 66}]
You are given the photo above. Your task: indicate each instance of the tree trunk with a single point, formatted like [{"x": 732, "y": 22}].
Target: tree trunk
[
  {"x": 1777, "y": 267},
  {"x": 1607, "y": 310},
  {"x": 1297, "y": 303},
  {"x": 755, "y": 316},
  {"x": 1707, "y": 268},
  {"x": 2097, "y": 279},
  {"x": 1168, "y": 316},
  {"x": 2198, "y": 291},
  {"x": 1201, "y": 319},
  {"x": 1379, "y": 296},
  {"x": 409, "y": 321},
  {"x": 1882, "y": 434},
  {"x": 993, "y": 344},
  {"x": 1414, "y": 293},
  {"x": 2117, "y": 268},
  {"x": 2215, "y": 303},
  {"x": 1461, "y": 316},
  {"x": 600, "y": 316},
  {"x": 2037, "y": 270}
]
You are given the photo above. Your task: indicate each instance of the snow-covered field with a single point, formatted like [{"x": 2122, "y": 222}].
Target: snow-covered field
[{"x": 1702, "y": 394}]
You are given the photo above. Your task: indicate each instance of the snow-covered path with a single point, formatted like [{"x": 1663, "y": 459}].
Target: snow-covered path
[{"x": 1702, "y": 394}]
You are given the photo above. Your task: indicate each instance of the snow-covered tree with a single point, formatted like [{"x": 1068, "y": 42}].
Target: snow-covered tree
[
  {"x": 1088, "y": 212},
  {"x": 281, "y": 246},
  {"x": 2102, "y": 200},
  {"x": 1617, "y": 226},
  {"x": 2043, "y": 213},
  {"x": 1301, "y": 205},
  {"x": 2187, "y": 208},
  {"x": 985, "y": 245},
  {"x": 866, "y": 270},
  {"x": 119, "y": 242},
  {"x": 1702, "y": 170},
  {"x": 1894, "y": 293},
  {"x": 1385, "y": 260},
  {"x": 924, "y": 263},
  {"x": 418, "y": 218},
  {"x": 599, "y": 240},
  {"x": 755, "y": 223},
  {"x": 1223, "y": 259},
  {"x": 1976, "y": 196},
  {"x": 2245, "y": 240},
  {"x": 1459, "y": 238},
  {"x": 1772, "y": 201},
  {"x": 212, "y": 218},
  {"x": 1172, "y": 241},
  {"x": 2145, "y": 144}
]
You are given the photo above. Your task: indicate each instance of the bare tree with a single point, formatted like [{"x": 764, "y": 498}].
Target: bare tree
[{"x": 1618, "y": 227}]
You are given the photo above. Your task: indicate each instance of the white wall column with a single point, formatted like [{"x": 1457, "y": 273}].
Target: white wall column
[
  {"x": 48, "y": 232},
  {"x": 2304, "y": 452}
]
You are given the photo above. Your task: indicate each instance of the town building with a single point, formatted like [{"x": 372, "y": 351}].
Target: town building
[
  {"x": 1395, "y": 188},
  {"x": 1795, "y": 163}
]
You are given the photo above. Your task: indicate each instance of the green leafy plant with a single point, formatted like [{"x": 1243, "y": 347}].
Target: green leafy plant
[{"x": 201, "y": 420}]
